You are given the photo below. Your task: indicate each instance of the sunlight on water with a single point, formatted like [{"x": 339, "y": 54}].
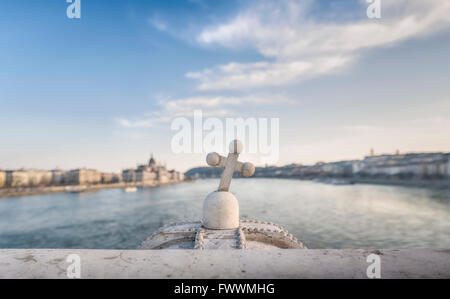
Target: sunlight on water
[{"x": 322, "y": 216}]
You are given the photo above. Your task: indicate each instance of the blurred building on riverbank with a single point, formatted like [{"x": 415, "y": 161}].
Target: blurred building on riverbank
[
  {"x": 422, "y": 165},
  {"x": 83, "y": 177},
  {"x": 2, "y": 178},
  {"x": 151, "y": 173},
  {"x": 410, "y": 166},
  {"x": 111, "y": 178},
  {"x": 28, "y": 178}
]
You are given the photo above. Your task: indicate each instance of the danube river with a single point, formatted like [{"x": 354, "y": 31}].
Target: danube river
[{"x": 320, "y": 215}]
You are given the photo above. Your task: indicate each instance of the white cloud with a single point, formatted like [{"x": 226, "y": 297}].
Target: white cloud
[
  {"x": 157, "y": 23},
  {"x": 217, "y": 106},
  {"x": 298, "y": 47},
  {"x": 250, "y": 75}
]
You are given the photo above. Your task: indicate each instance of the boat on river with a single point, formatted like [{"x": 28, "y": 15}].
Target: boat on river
[
  {"x": 130, "y": 189},
  {"x": 75, "y": 189}
]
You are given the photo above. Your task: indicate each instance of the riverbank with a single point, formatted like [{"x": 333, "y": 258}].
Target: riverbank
[
  {"x": 414, "y": 183},
  {"x": 14, "y": 192},
  {"x": 435, "y": 184}
]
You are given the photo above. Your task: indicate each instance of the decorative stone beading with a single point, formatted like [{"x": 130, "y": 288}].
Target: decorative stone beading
[{"x": 250, "y": 232}]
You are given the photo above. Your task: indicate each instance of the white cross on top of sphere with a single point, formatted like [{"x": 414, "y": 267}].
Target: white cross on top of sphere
[{"x": 231, "y": 164}]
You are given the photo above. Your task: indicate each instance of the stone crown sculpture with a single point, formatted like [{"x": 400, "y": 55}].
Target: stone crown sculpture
[
  {"x": 221, "y": 208},
  {"x": 220, "y": 227}
]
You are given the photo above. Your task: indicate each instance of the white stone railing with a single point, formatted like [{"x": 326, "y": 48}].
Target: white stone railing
[{"x": 184, "y": 264}]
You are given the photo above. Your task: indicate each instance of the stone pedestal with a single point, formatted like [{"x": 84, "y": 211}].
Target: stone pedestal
[{"x": 220, "y": 211}]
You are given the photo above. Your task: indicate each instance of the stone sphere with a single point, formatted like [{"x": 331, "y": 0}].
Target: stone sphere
[
  {"x": 213, "y": 159},
  {"x": 220, "y": 211},
  {"x": 248, "y": 169},
  {"x": 236, "y": 147}
]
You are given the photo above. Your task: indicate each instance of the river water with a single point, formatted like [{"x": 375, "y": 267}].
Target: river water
[{"x": 320, "y": 215}]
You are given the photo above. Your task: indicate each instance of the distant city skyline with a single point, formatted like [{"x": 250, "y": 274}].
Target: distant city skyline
[
  {"x": 164, "y": 163},
  {"x": 101, "y": 91}
]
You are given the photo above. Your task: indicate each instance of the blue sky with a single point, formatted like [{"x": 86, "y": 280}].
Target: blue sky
[{"x": 98, "y": 91}]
